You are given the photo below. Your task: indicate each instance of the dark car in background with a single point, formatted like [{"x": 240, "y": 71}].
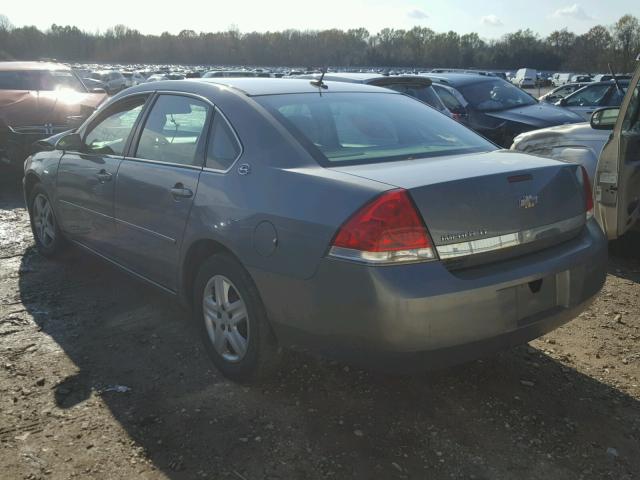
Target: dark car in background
[
  {"x": 499, "y": 110},
  {"x": 37, "y": 100},
  {"x": 343, "y": 218},
  {"x": 415, "y": 86}
]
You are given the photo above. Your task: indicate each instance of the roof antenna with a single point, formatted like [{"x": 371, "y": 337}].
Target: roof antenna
[
  {"x": 320, "y": 83},
  {"x": 615, "y": 79}
]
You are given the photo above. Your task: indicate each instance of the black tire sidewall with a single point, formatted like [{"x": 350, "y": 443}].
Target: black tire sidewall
[
  {"x": 261, "y": 344},
  {"x": 55, "y": 247}
]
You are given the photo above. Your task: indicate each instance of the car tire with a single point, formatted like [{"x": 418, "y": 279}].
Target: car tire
[
  {"x": 232, "y": 321},
  {"x": 47, "y": 235}
]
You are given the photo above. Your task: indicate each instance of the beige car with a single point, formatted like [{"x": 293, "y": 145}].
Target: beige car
[{"x": 617, "y": 182}]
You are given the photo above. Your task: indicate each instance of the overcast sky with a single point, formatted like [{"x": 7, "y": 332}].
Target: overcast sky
[{"x": 490, "y": 18}]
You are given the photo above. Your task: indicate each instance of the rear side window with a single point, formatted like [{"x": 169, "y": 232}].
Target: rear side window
[
  {"x": 173, "y": 130},
  {"x": 223, "y": 148},
  {"x": 421, "y": 92},
  {"x": 449, "y": 100}
]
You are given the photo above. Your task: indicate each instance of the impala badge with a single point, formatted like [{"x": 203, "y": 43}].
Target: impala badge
[{"x": 529, "y": 201}]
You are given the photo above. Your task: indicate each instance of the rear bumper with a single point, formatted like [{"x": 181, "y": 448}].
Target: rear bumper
[{"x": 426, "y": 313}]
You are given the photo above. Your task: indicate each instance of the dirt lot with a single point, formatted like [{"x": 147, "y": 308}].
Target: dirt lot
[{"x": 74, "y": 332}]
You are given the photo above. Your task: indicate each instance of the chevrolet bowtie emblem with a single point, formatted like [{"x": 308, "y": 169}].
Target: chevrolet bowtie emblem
[{"x": 529, "y": 201}]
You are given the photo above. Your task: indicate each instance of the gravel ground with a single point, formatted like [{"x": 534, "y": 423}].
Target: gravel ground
[{"x": 102, "y": 377}]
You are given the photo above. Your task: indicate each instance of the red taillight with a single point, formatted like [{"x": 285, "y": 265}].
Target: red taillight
[
  {"x": 588, "y": 192},
  {"x": 387, "y": 230}
]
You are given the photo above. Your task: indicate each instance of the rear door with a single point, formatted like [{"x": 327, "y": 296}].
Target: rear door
[
  {"x": 618, "y": 175},
  {"x": 157, "y": 183}
]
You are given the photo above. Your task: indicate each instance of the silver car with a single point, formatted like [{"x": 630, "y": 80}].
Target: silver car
[
  {"x": 588, "y": 99},
  {"x": 337, "y": 217}
]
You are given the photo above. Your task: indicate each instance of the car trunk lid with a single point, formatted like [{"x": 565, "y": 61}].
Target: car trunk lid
[{"x": 488, "y": 206}]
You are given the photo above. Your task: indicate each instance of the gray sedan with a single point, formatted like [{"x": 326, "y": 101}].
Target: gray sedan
[{"x": 337, "y": 217}]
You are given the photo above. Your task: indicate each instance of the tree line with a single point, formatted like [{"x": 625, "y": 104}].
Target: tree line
[{"x": 418, "y": 47}]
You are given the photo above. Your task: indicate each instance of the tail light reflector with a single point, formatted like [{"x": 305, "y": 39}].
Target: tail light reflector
[
  {"x": 588, "y": 192},
  {"x": 387, "y": 230}
]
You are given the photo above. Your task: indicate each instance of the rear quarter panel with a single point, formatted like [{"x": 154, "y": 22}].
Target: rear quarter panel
[{"x": 304, "y": 203}]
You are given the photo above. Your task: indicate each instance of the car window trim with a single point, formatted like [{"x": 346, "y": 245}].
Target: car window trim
[
  {"x": 200, "y": 148},
  {"x": 101, "y": 115},
  {"x": 217, "y": 111}
]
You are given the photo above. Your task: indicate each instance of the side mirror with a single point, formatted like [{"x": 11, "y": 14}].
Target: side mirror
[
  {"x": 605, "y": 118},
  {"x": 562, "y": 102},
  {"x": 71, "y": 142},
  {"x": 98, "y": 90}
]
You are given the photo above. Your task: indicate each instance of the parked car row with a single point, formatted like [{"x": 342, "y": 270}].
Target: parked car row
[
  {"x": 559, "y": 79},
  {"x": 480, "y": 100}
]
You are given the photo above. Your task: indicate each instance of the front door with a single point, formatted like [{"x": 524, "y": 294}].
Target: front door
[
  {"x": 156, "y": 185},
  {"x": 86, "y": 179},
  {"x": 618, "y": 175}
]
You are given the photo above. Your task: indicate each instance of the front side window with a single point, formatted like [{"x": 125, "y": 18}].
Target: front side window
[
  {"x": 109, "y": 136},
  {"x": 173, "y": 129},
  {"x": 223, "y": 146},
  {"x": 351, "y": 128},
  {"x": 588, "y": 96}
]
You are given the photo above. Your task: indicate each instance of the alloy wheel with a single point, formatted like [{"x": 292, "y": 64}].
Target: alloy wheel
[
  {"x": 226, "y": 318},
  {"x": 44, "y": 221}
]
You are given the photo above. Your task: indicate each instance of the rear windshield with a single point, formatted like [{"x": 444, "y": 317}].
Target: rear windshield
[
  {"x": 370, "y": 127},
  {"x": 495, "y": 95},
  {"x": 40, "y": 80}
]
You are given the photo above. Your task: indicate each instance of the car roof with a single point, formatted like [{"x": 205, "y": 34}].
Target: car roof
[
  {"x": 6, "y": 66},
  {"x": 278, "y": 86},
  {"x": 462, "y": 79},
  {"x": 252, "y": 86},
  {"x": 366, "y": 77},
  {"x": 355, "y": 77}
]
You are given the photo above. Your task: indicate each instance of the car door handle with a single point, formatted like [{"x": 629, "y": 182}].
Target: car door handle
[
  {"x": 179, "y": 191},
  {"x": 104, "y": 176}
]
